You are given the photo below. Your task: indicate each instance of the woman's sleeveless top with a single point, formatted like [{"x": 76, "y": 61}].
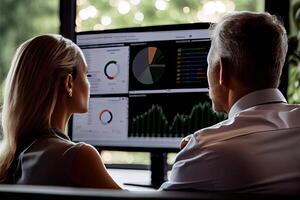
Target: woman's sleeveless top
[{"x": 46, "y": 161}]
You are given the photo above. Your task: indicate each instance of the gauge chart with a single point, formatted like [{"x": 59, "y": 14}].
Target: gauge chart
[
  {"x": 105, "y": 116},
  {"x": 111, "y": 69},
  {"x": 106, "y": 120},
  {"x": 149, "y": 65},
  {"x": 108, "y": 69}
]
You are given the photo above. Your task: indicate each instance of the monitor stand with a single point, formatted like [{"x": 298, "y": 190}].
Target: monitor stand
[{"x": 159, "y": 169}]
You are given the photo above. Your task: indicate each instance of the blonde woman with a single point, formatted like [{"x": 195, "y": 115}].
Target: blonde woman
[{"x": 45, "y": 85}]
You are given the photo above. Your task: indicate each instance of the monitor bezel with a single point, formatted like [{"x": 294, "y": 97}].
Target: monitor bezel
[{"x": 167, "y": 27}]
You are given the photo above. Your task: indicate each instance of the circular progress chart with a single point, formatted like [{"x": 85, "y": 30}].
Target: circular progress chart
[
  {"x": 149, "y": 65},
  {"x": 111, "y": 70},
  {"x": 105, "y": 116}
]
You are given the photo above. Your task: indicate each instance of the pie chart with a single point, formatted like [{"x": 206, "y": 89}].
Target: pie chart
[{"x": 149, "y": 65}]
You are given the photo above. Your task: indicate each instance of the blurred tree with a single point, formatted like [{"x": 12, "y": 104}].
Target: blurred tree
[
  {"x": 293, "y": 57},
  {"x": 21, "y": 20},
  {"x": 108, "y": 14}
]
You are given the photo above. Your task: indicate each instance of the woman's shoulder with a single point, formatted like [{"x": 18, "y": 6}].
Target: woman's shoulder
[
  {"x": 86, "y": 152},
  {"x": 55, "y": 142},
  {"x": 78, "y": 164},
  {"x": 88, "y": 169}
]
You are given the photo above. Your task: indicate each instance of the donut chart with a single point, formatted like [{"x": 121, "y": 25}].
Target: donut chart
[
  {"x": 111, "y": 70},
  {"x": 105, "y": 116}
]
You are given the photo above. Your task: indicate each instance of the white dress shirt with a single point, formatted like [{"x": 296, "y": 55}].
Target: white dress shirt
[{"x": 256, "y": 150}]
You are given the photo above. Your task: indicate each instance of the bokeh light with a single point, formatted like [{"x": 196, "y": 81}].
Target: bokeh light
[
  {"x": 186, "y": 9},
  {"x": 123, "y": 7},
  {"x": 89, "y": 12},
  {"x": 213, "y": 10},
  {"x": 139, "y": 16},
  {"x": 135, "y": 2},
  {"x": 161, "y": 5},
  {"x": 106, "y": 20},
  {"x": 212, "y": 7}
]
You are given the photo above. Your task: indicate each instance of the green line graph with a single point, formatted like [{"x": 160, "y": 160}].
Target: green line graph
[{"x": 154, "y": 123}]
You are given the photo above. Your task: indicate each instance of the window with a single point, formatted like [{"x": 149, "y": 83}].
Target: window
[
  {"x": 21, "y": 20},
  {"x": 111, "y": 14},
  {"x": 293, "y": 58}
]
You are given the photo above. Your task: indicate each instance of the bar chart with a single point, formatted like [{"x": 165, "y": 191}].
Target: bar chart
[{"x": 191, "y": 65}]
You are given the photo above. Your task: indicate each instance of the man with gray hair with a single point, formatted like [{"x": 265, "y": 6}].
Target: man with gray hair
[{"x": 257, "y": 149}]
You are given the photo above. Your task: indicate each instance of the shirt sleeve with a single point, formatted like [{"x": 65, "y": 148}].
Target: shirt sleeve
[{"x": 192, "y": 169}]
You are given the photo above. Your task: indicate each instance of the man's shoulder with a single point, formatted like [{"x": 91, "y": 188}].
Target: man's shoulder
[{"x": 252, "y": 120}]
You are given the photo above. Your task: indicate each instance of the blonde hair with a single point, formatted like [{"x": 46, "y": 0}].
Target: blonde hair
[{"x": 31, "y": 89}]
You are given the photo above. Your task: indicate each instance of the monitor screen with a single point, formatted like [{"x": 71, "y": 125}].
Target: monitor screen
[{"x": 148, "y": 86}]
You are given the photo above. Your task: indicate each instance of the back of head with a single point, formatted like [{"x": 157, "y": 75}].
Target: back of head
[
  {"x": 255, "y": 46},
  {"x": 31, "y": 90}
]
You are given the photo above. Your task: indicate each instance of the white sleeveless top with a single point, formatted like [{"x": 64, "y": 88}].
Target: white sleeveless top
[{"x": 47, "y": 161}]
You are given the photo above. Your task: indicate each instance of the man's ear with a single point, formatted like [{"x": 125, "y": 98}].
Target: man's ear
[
  {"x": 68, "y": 83},
  {"x": 224, "y": 72}
]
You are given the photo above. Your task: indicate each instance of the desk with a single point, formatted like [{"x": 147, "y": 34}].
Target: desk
[{"x": 123, "y": 176}]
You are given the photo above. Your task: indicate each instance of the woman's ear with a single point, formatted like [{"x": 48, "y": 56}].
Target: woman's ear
[{"x": 68, "y": 85}]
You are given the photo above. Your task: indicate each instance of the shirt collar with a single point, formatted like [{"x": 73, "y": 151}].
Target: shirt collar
[{"x": 256, "y": 98}]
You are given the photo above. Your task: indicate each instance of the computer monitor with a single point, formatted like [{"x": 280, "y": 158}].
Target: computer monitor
[{"x": 148, "y": 86}]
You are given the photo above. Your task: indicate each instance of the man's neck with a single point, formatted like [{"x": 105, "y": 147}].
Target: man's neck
[{"x": 235, "y": 94}]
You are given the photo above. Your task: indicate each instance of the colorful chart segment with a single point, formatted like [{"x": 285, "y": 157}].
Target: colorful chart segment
[
  {"x": 149, "y": 65},
  {"x": 191, "y": 65}
]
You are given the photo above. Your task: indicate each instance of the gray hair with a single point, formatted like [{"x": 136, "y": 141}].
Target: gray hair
[{"x": 255, "y": 46}]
